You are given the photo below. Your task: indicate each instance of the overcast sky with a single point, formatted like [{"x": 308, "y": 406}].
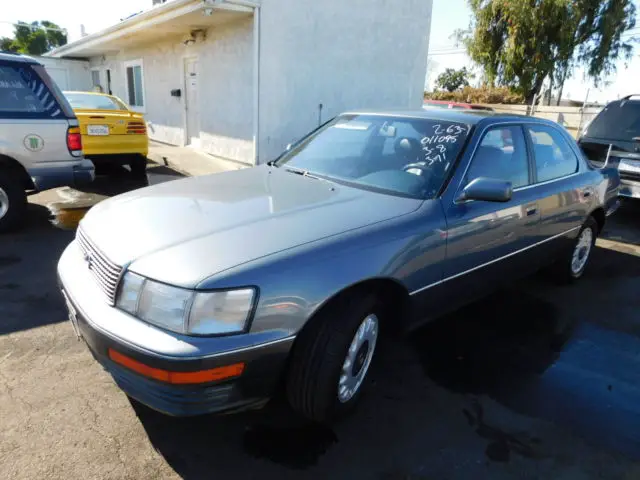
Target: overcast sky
[{"x": 448, "y": 15}]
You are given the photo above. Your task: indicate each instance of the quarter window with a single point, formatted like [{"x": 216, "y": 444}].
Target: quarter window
[
  {"x": 24, "y": 93},
  {"x": 554, "y": 157},
  {"x": 502, "y": 154},
  {"x": 135, "y": 83}
]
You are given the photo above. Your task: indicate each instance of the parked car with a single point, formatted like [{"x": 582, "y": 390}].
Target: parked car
[
  {"x": 455, "y": 105},
  {"x": 40, "y": 143},
  {"x": 206, "y": 294},
  {"x": 618, "y": 126},
  {"x": 111, "y": 132}
]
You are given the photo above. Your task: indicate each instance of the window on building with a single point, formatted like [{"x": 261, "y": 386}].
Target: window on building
[
  {"x": 502, "y": 154},
  {"x": 135, "y": 83},
  {"x": 95, "y": 78},
  {"x": 554, "y": 157}
]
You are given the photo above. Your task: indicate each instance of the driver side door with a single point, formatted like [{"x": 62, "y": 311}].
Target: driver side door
[{"x": 489, "y": 242}]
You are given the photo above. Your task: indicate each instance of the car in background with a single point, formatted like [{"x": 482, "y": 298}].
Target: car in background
[
  {"x": 455, "y": 105},
  {"x": 207, "y": 294},
  {"x": 111, "y": 132},
  {"x": 40, "y": 141},
  {"x": 615, "y": 131}
]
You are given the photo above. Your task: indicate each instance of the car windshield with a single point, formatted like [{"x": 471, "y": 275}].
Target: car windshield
[
  {"x": 88, "y": 101},
  {"x": 618, "y": 121},
  {"x": 395, "y": 155}
]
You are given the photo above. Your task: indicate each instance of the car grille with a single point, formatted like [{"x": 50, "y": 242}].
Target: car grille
[
  {"x": 106, "y": 273},
  {"x": 629, "y": 176}
]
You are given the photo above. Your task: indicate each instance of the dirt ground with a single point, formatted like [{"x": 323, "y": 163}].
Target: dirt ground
[{"x": 550, "y": 388}]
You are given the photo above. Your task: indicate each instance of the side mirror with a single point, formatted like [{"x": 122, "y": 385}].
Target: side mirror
[{"x": 487, "y": 189}]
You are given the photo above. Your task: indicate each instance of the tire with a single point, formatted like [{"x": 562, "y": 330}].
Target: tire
[
  {"x": 321, "y": 352},
  {"x": 13, "y": 201},
  {"x": 138, "y": 166},
  {"x": 571, "y": 267}
]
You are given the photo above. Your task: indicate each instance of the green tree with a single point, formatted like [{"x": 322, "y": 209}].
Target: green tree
[
  {"x": 520, "y": 44},
  {"x": 452, "y": 79},
  {"x": 35, "y": 38}
]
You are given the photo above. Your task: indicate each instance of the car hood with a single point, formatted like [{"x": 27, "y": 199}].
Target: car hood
[{"x": 184, "y": 231}]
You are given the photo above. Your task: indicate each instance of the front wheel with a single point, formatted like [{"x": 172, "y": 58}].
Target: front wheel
[{"x": 331, "y": 358}]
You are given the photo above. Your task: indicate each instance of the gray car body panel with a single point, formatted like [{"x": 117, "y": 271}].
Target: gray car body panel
[{"x": 301, "y": 241}]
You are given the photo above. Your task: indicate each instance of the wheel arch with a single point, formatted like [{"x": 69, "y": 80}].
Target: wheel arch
[
  {"x": 12, "y": 164},
  {"x": 600, "y": 218}
]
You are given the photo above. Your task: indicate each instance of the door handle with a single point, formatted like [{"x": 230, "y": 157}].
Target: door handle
[
  {"x": 532, "y": 211},
  {"x": 586, "y": 193}
]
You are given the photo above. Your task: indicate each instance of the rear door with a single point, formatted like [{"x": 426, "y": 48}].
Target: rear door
[
  {"x": 560, "y": 183},
  {"x": 33, "y": 118}
]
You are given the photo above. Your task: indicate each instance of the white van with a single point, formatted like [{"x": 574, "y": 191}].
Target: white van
[{"x": 40, "y": 142}]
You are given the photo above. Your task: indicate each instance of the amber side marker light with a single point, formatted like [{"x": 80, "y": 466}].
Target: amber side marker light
[{"x": 178, "y": 378}]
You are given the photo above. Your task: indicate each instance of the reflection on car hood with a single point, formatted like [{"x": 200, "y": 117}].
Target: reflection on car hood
[{"x": 184, "y": 231}]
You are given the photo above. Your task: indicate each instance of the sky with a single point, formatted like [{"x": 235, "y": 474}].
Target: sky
[{"x": 448, "y": 16}]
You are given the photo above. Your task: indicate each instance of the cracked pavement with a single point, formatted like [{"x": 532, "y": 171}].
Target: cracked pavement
[{"x": 548, "y": 388}]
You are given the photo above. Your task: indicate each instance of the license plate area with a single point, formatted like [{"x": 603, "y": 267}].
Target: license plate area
[
  {"x": 98, "y": 130},
  {"x": 73, "y": 315}
]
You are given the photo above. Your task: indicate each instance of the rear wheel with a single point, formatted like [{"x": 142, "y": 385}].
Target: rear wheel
[
  {"x": 13, "y": 201},
  {"x": 331, "y": 358},
  {"x": 138, "y": 165},
  {"x": 573, "y": 264}
]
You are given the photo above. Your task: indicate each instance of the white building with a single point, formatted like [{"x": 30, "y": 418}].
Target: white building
[{"x": 241, "y": 79}]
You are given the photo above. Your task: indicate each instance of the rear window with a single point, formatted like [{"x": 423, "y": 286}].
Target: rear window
[
  {"x": 94, "y": 102},
  {"x": 25, "y": 94},
  {"x": 618, "y": 121}
]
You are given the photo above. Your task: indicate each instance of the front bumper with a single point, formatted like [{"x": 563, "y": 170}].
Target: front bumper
[
  {"x": 264, "y": 362},
  {"x": 72, "y": 174}
]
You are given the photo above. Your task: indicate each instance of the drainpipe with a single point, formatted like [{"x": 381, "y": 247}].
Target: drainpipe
[{"x": 256, "y": 73}]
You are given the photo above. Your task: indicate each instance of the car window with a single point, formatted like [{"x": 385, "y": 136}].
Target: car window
[
  {"x": 502, "y": 154},
  {"x": 553, "y": 155},
  {"x": 396, "y": 155},
  {"x": 618, "y": 121},
  {"x": 94, "y": 102},
  {"x": 24, "y": 94}
]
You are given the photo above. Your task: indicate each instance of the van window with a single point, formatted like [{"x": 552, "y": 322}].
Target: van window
[
  {"x": 24, "y": 94},
  {"x": 618, "y": 121}
]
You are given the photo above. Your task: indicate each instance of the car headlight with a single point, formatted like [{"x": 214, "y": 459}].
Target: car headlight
[{"x": 186, "y": 311}]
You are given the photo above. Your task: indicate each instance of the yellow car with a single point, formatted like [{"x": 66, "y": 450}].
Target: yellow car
[{"x": 111, "y": 132}]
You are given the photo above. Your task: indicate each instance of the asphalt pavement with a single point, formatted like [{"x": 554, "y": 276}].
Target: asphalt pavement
[{"x": 537, "y": 381}]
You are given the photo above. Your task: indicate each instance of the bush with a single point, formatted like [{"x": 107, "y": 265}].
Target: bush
[{"x": 485, "y": 95}]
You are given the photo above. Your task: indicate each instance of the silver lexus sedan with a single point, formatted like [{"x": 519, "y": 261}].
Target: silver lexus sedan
[{"x": 207, "y": 294}]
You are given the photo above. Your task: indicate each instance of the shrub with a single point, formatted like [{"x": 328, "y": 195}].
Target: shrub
[{"x": 487, "y": 95}]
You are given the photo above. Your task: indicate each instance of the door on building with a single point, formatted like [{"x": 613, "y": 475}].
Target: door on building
[{"x": 191, "y": 102}]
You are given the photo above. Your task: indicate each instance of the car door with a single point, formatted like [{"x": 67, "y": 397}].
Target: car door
[
  {"x": 564, "y": 196},
  {"x": 488, "y": 242}
]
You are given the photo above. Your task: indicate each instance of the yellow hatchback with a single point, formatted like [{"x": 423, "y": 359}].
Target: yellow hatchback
[{"x": 111, "y": 132}]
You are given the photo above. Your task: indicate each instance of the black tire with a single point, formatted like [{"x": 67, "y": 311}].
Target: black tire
[
  {"x": 318, "y": 355},
  {"x": 15, "y": 198},
  {"x": 562, "y": 270},
  {"x": 138, "y": 166}
]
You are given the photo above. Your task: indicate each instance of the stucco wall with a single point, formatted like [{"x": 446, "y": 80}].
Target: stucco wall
[
  {"x": 344, "y": 54},
  {"x": 68, "y": 74},
  {"x": 225, "y": 89}
]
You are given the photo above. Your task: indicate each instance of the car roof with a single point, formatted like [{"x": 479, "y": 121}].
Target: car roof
[
  {"x": 17, "y": 57},
  {"x": 470, "y": 117},
  {"x": 100, "y": 94}
]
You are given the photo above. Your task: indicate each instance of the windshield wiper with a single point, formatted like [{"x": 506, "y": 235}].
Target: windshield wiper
[{"x": 305, "y": 173}]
